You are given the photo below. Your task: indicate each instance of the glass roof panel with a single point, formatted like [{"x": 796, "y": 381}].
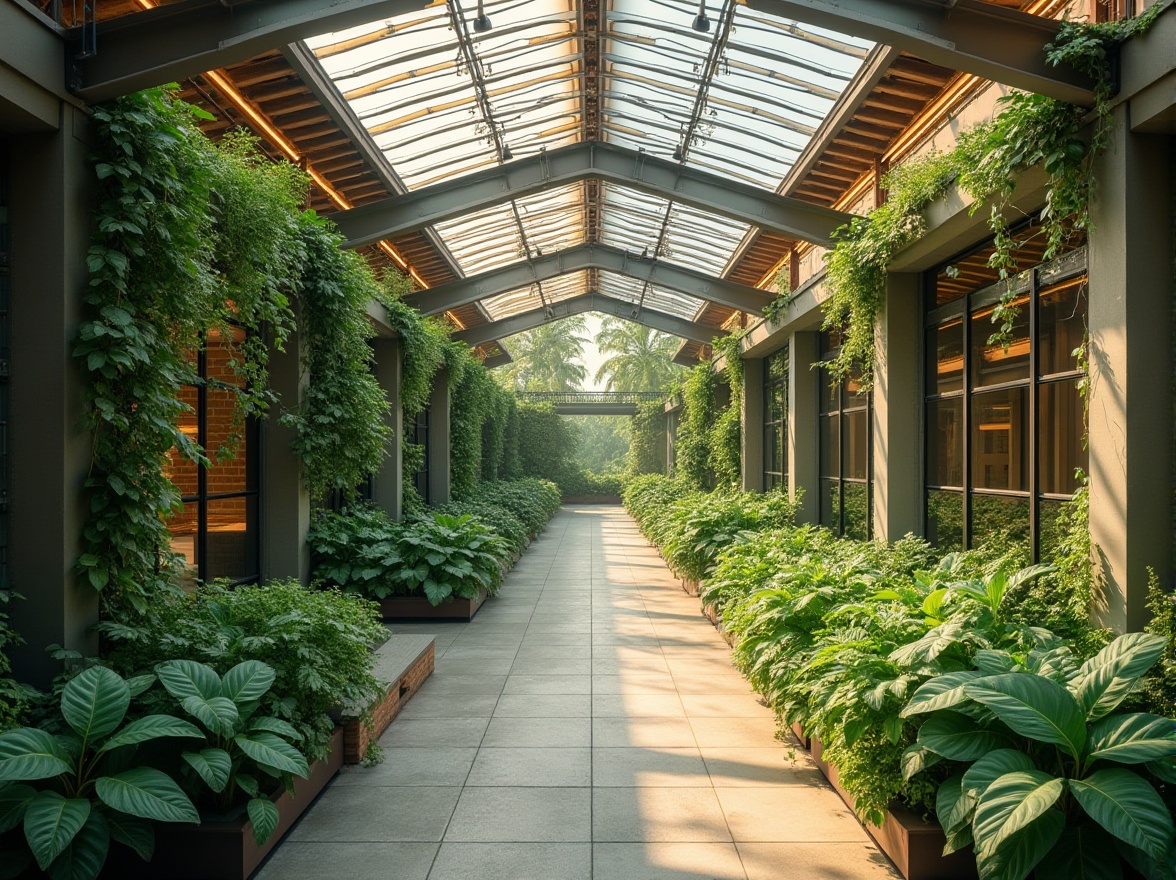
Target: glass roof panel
[{"x": 442, "y": 100}]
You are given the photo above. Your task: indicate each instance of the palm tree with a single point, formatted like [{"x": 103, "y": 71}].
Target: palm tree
[
  {"x": 549, "y": 357},
  {"x": 641, "y": 357}
]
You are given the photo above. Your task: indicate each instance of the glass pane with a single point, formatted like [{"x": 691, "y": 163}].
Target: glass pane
[
  {"x": 945, "y": 519},
  {"x": 945, "y": 358},
  {"x": 945, "y": 442},
  {"x": 1061, "y": 325},
  {"x": 856, "y": 454},
  {"x": 827, "y": 393},
  {"x": 995, "y": 364},
  {"x": 179, "y": 470},
  {"x": 831, "y": 504},
  {"x": 853, "y": 392},
  {"x": 232, "y": 538},
  {"x": 830, "y": 446},
  {"x": 231, "y": 468},
  {"x": 1060, "y": 431},
  {"x": 185, "y": 540},
  {"x": 857, "y": 510},
  {"x": 998, "y": 441},
  {"x": 1000, "y": 521}
]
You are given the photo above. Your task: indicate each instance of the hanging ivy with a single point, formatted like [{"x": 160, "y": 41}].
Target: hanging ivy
[
  {"x": 1030, "y": 131},
  {"x": 189, "y": 240},
  {"x": 341, "y": 420},
  {"x": 726, "y": 435},
  {"x": 692, "y": 448},
  {"x": 647, "y": 440}
]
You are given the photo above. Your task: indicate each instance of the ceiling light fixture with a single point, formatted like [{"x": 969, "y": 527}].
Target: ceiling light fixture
[
  {"x": 507, "y": 155},
  {"x": 482, "y": 22},
  {"x": 701, "y": 22}
]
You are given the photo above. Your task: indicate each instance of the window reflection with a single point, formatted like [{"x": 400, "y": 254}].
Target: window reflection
[
  {"x": 999, "y": 440},
  {"x": 775, "y": 402}
]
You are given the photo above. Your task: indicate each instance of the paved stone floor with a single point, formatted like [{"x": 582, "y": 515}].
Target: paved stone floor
[{"x": 586, "y": 725}]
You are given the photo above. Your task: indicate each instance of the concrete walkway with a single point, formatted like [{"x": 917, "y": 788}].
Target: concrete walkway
[{"x": 586, "y": 725}]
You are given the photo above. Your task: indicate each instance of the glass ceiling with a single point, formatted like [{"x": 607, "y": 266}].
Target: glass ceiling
[{"x": 443, "y": 99}]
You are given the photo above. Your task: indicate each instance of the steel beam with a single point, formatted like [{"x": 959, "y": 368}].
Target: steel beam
[
  {"x": 588, "y": 302},
  {"x": 178, "y": 40},
  {"x": 591, "y": 256},
  {"x": 972, "y": 36},
  {"x": 399, "y": 215}
]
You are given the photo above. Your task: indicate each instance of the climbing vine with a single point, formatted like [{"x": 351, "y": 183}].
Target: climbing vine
[
  {"x": 692, "y": 449},
  {"x": 341, "y": 419},
  {"x": 647, "y": 446},
  {"x": 726, "y": 435},
  {"x": 1030, "y": 131},
  {"x": 189, "y": 240}
]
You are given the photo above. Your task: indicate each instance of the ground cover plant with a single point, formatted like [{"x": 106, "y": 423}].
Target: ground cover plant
[{"x": 317, "y": 642}]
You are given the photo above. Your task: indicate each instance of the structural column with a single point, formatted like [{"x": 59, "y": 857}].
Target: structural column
[
  {"x": 389, "y": 484},
  {"x": 753, "y": 425},
  {"x": 803, "y": 453},
  {"x": 285, "y": 503},
  {"x": 1130, "y": 418},
  {"x": 439, "y": 440},
  {"x": 49, "y": 452},
  {"x": 897, "y": 462}
]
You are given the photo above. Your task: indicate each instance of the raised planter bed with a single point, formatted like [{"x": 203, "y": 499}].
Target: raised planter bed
[
  {"x": 912, "y": 843},
  {"x": 223, "y": 850},
  {"x": 708, "y": 611},
  {"x": 419, "y": 608},
  {"x": 690, "y": 585},
  {"x": 402, "y": 664}
]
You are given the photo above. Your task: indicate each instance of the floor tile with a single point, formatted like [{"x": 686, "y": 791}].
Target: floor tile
[
  {"x": 428, "y": 765},
  {"x": 816, "y": 861},
  {"x": 297, "y": 860},
  {"x": 667, "y": 861},
  {"x": 513, "y": 861},
  {"x": 544, "y": 706},
  {"x": 771, "y": 766},
  {"x": 788, "y": 814},
  {"x": 642, "y": 732},
  {"x": 524, "y": 683},
  {"x": 367, "y": 814},
  {"x": 657, "y": 814},
  {"x": 658, "y": 768},
  {"x": 566, "y": 767},
  {"x": 538, "y": 733},
  {"x": 522, "y": 814},
  {"x": 431, "y": 732}
]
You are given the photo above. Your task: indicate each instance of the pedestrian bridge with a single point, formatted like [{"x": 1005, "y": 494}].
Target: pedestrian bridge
[{"x": 593, "y": 403}]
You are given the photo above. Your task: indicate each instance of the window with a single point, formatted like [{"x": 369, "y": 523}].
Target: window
[
  {"x": 216, "y": 531},
  {"x": 420, "y": 437},
  {"x": 1004, "y": 422},
  {"x": 775, "y": 392},
  {"x": 846, "y": 467}
]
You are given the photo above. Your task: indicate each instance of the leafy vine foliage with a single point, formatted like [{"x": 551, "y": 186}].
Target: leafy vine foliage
[
  {"x": 341, "y": 421},
  {"x": 174, "y": 214}
]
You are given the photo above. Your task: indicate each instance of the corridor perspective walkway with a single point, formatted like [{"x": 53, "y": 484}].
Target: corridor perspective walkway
[{"x": 586, "y": 725}]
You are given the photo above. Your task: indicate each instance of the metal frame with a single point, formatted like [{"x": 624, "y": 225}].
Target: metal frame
[
  {"x": 590, "y": 256},
  {"x": 399, "y": 215},
  {"x": 972, "y": 36},
  {"x": 588, "y": 302}
]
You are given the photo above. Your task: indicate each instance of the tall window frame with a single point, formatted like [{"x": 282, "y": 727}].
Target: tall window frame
[
  {"x": 988, "y": 476},
  {"x": 845, "y": 440},
  {"x": 218, "y": 530},
  {"x": 420, "y": 437},
  {"x": 775, "y": 427}
]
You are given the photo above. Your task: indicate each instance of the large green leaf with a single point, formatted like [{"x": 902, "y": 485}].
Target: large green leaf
[
  {"x": 94, "y": 702},
  {"x": 50, "y": 823},
  {"x": 13, "y": 801},
  {"x": 138, "y": 834},
  {"x": 916, "y": 759},
  {"x": 1128, "y": 807},
  {"x": 269, "y": 750},
  {"x": 953, "y": 807},
  {"x": 247, "y": 682},
  {"x": 187, "y": 678},
  {"x": 1107, "y": 677},
  {"x": 218, "y": 714},
  {"x": 214, "y": 766},
  {"x": 86, "y": 854},
  {"x": 27, "y": 754},
  {"x": 264, "y": 816},
  {"x": 1021, "y": 853},
  {"x": 992, "y": 766},
  {"x": 151, "y": 727},
  {"x": 1084, "y": 852},
  {"x": 1034, "y": 707},
  {"x": 1132, "y": 739},
  {"x": 941, "y": 692},
  {"x": 147, "y": 793},
  {"x": 1010, "y": 803},
  {"x": 958, "y": 737},
  {"x": 275, "y": 725}
]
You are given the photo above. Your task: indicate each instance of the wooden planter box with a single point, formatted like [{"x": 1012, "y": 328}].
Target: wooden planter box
[
  {"x": 419, "y": 608},
  {"x": 402, "y": 664},
  {"x": 690, "y": 585},
  {"x": 912, "y": 843},
  {"x": 223, "y": 850},
  {"x": 708, "y": 611}
]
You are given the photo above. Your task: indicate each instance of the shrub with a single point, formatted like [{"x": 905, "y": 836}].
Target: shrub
[
  {"x": 532, "y": 500},
  {"x": 499, "y": 519},
  {"x": 11, "y": 699},
  {"x": 356, "y": 549},
  {"x": 445, "y": 557},
  {"x": 318, "y": 642},
  {"x": 697, "y": 533}
]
